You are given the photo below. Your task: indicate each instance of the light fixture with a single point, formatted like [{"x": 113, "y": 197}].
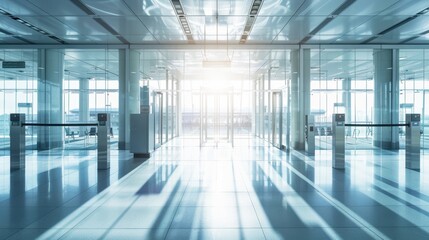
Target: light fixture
[
  {"x": 254, "y": 9},
  {"x": 27, "y": 24},
  {"x": 217, "y": 64},
  {"x": 182, "y": 19}
]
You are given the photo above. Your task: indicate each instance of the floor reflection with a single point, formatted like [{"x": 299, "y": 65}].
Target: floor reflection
[
  {"x": 53, "y": 185},
  {"x": 250, "y": 191},
  {"x": 159, "y": 179}
]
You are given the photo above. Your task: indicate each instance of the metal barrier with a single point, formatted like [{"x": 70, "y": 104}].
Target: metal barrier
[
  {"x": 412, "y": 141},
  {"x": 338, "y": 136},
  {"x": 17, "y": 139}
]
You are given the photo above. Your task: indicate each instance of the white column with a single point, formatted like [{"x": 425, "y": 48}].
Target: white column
[
  {"x": 300, "y": 95},
  {"x": 50, "y": 97},
  {"x": 129, "y": 92},
  {"x": 83, "y": 104},
  {"x": 386, "y": 98}
]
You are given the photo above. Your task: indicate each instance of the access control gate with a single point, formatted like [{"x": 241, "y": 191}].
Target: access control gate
[{"x": 216, "y": 117}]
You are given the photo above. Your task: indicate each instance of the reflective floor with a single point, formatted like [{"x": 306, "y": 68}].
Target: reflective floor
[{"x": 249, "y": 191}]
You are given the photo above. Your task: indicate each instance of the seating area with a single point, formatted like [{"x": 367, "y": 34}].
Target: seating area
[
  {"x": 70, "y": 134},
  {"x": 92, "y": 132}
]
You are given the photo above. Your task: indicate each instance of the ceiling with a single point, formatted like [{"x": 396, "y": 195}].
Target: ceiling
[
  {"x": 214, "y": 21},
  {"x": 263, "y": 25}
]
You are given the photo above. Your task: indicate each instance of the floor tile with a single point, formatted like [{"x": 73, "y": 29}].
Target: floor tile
[
  {"x": 215, "y": 217},
  {"x": 310, "y": 233},
  {"x": 215, "y": 234}
]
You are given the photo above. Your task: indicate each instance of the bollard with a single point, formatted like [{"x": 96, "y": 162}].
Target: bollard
[
  {"x": 103, "y": 151},
  {"x": 17, "y": 141},
  {"x": 412, "y": 141},
  {"x": 338, "y": 141}
]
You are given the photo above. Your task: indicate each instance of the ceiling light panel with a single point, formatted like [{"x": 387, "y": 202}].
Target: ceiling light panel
[
  {"x": 297, "y": 28},
  {"x": 251, "y": 18},
  {"x": 21, "y": 8},
  {"x": 368, "y": 7},
  {"x": 268, "y": 27},
  {"x": 405, "y": 8},
  {"x": 183, "y": 21},
  {"x": 213, "y": 7},
  {"x": 57, "y": 8},
  {"x": 50, "y": 24},
  {"x": 84, "y": 25},
  {"x": 9, "y": 18},
  {"x": 319, "y": 8},
  {"x": 126, "y": 25},
  {"x": 210, "y": 28},
  {"x": 151, "y": 8},
  {"x": 162, "y": 25},
  {"x": 109, "y": 7}
]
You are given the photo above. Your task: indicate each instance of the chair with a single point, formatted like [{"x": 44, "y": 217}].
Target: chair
[
  {"x": 70, "y": 133},
  {"x": 92, "y": 131},
  {"x": 328, "y": 131}
]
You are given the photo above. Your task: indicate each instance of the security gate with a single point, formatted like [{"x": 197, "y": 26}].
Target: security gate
[{"x": 216, "y": 117}]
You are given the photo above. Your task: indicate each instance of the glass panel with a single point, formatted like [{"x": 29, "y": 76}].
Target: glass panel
[
  {"x": 90, "y": 87},
  {"x": 277, "y": 120},
  {"x": 412, "y": 90}
]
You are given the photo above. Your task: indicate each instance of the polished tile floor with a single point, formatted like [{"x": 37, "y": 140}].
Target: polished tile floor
[{"x": 249, "y": 191}]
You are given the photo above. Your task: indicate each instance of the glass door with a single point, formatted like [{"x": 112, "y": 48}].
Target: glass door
[
  {"x": 158, "y": 111},
  {"x": 425, "y": 119},
  {"x": 277, "y": 108},
  {"x": 285, "y": 119},
  {"x": 216, "y": 117}
]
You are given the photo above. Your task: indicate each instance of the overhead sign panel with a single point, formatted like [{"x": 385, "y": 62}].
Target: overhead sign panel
[{"x": 13, "y": 64}]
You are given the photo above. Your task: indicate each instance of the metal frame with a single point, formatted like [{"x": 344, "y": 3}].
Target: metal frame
[
  {"x": 160, "y": 118},
  {"x": 277, "y": 135},
  {"x": 199, "y": 46}
]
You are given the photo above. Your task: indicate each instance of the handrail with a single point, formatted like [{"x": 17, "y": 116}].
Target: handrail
[
  {"x": 378, "y": 125},
  {"x": 59, "y": 124}
]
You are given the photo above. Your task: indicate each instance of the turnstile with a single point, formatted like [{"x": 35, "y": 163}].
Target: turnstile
[
  {"x": 103, "y": 155},
  {"x": 17, "y": 141},
  {"x": 309, "y": 135},
  {"x": 338, "y": 140},
  {"x": 17, "y": 138},
  {"x": 412, "y": 141}
]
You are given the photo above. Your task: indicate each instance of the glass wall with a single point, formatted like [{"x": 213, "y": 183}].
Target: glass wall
[
  {"x": 342, "y": 82},
  {"x": 274, "y": 75},
  {"x": 414, "y": 89},
  {"x": 90, "y": 87},
  {"x": 18, "y": 94},
  {"x": 163, "y": 80}
]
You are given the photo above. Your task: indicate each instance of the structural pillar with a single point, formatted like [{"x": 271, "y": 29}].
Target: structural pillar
[
  {"x": 129, "y": 93},
  {"x": 347, "y": 100},
  {"x": 50, "y": 97},
  {"x": 83, "y": 104},
  {"x": 386, "y": 98},
  {"x": 300, "y": 95}
]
